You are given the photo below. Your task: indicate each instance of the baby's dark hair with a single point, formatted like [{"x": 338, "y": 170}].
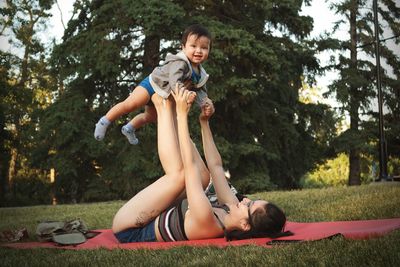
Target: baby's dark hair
[
  {"x": 266, "y": 221},
  {"x": 195, "y": 29}
]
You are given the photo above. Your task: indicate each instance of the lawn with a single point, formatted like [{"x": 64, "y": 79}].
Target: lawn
[{"x": 375, "y": 201}]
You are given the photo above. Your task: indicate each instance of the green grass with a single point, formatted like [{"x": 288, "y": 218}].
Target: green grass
[{"x": 376, "y": 201}]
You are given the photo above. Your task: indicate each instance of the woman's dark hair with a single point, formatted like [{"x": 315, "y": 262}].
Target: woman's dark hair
[
  {"x": 266, "y": 221},
  {"x": 195, "y": 29}
]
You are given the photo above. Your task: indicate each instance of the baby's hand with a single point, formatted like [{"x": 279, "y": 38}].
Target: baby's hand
[
  {"x": 207, "y": 109},
  {"x": 188, "y": 84}
]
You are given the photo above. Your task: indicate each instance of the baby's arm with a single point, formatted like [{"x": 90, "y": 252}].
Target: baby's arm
[{"x": 177, "y": 73}]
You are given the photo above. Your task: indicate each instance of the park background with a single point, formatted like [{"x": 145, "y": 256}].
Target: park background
[{"x": 275, "y": 126}]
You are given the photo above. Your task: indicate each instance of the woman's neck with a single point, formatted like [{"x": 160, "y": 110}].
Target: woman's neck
[{"x": 225, "y": 219}]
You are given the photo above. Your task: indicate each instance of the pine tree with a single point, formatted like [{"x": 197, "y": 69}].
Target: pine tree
[
  {"x": 106, "y": 50},
  {"x": 26, "y": 79},
  {"x": 258, "y": 59},
  {"x": 257, "y": 63},
  {"x": 356, "y": 86}
]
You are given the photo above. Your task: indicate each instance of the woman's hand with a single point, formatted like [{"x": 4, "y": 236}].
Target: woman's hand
[{"x": 183, "y": 99}]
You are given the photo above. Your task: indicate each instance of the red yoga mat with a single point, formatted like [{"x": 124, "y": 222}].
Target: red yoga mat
[{"x": 302, "y": 232}]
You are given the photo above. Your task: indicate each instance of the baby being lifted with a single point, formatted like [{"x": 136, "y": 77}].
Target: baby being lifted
[{"x": 183, "y": 68}]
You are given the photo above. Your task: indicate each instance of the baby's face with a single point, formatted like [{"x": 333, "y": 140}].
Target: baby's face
[{"x": 196, "y": 49}]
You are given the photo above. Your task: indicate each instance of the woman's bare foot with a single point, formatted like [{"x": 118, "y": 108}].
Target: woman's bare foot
[{"x": 158, "y": 101}]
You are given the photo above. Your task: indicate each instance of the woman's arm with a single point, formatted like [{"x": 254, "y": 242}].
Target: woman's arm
[
  {"x": 200, "y": 207},
  {"x": 214, "y": 160}
]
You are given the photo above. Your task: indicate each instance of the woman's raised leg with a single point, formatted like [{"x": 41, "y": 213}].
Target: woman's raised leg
[{"x": 152, "y": 200}]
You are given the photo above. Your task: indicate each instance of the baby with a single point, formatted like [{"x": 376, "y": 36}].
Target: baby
[{"x": 183, "y": 68}]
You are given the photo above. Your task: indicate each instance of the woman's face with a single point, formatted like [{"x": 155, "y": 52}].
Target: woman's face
[
  {"x": 245, "y": 207},
  {"x": 254, "y": 204}
]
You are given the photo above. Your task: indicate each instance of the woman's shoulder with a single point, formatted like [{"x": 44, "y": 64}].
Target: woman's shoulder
[{"x": 202, "y": 229}]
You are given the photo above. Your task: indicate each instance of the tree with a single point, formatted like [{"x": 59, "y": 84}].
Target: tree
[
  {"x": 355, "y": 88},
  {"x": 25, "y": 79},
  {"x": 258, "y": 60},
  {"x": 107, "y": 48},
  {"x": 5, "y": 88},
  {"x": 266, "y": 136}
]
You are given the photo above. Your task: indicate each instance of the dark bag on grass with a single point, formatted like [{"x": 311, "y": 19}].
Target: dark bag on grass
[{"x": 73, "y": 232}]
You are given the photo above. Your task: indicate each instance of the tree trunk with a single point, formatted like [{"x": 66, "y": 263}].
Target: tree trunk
[
  {"x": 3, "y": 178},
  {"x": 151, "y": 55},
  {"x": 4, "y": 156},
  {"x": 24, "y": 67},
  {"x": 354, "y": 155},
  {"x": 12, "y": 169}
]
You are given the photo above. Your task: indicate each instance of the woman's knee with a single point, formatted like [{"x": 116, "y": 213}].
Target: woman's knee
[
  {"x": 119, "y": 222},
  {"x": 178, "y": 177}
]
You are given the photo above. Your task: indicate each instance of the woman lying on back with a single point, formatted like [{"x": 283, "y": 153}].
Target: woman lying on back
[{"x": 153, "y": 215}]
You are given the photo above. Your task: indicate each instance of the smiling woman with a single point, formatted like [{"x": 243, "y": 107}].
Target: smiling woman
[
  {"x": 166, "y": 216},
  {"x": 264, "y": 218}
]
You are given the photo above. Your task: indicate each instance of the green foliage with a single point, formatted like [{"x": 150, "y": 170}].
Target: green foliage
[
  {"x": 5, "y": 135},
  {"x": 254, "y": 84},
  {"x": 394, "y": 167},
  {"x": 259, "y": 58},
  {"x": 26, "y": 83},
  {"x": 255, "y": 81},
  {"x": 28, "y": 190},
  {"x": 334, "y": 172},
  {"x": 65, "y": 145},
  {"x": 356, "y": 87}
]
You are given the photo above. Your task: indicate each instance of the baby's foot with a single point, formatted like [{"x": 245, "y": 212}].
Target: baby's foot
[
  {"x": 129, "y": 132},
  {"x": 101, "y": 128}
]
